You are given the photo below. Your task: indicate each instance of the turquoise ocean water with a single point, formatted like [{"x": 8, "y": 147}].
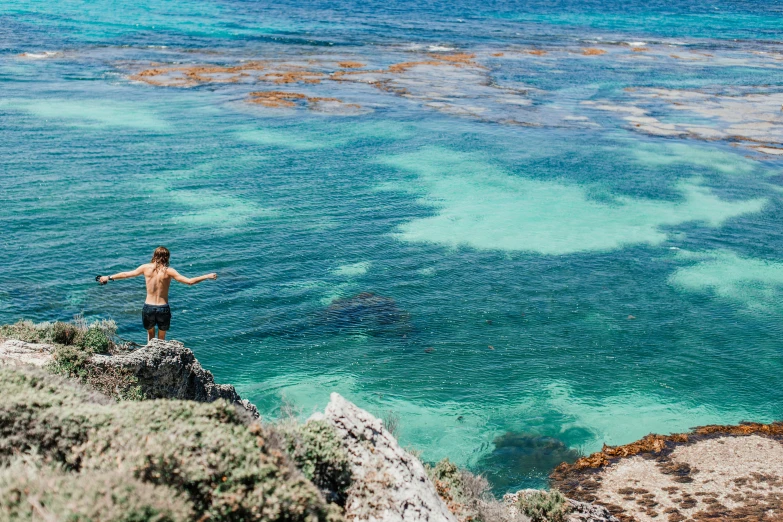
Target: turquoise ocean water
[{"x": 547, "y": 276}]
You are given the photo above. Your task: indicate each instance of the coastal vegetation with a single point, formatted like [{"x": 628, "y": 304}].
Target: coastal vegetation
[
  {"x": 74, "y": 345},
  {"x": 164, "y": 460},
  {"x": 467, "y": 495},
  {"x": 544, "y": 506}
]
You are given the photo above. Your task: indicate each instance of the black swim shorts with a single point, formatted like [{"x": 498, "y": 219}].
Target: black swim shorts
[{"x": 156, "y": 315}]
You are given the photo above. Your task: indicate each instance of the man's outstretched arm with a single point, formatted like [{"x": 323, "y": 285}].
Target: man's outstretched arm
[
  {"x": 122, "y": 275},
  {"x": 190, "y": 280}
]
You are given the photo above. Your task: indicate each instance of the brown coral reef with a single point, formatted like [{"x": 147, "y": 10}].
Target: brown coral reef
[
  {"x": 284, "y": 73},
  {"x": 465, "y": 83},
  {"x": 277, "y": 99},
  {"x": 712, "y": 473}
]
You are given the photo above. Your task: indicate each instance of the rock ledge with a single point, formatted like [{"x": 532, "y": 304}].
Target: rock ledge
[{"x": 389, "y": 484}]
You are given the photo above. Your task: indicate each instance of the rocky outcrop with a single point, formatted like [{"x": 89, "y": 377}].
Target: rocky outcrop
[
  {"x": 168, "y": 370},
  {"x": 586, "y": 512},
  {"x": 164, "y": 370},
  {"x": 389, "y": 484},
  {"x": 20, "y": 353}
]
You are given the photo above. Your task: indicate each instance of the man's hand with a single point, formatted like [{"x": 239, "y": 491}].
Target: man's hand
[
  {"x": 103, "y": 280},
  {"x": 212, "y": 276}
]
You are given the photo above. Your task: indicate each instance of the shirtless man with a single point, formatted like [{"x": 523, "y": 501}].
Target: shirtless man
[{"x": 158, "y": 274}]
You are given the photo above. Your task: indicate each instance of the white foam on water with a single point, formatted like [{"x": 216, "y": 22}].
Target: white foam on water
[
  {"x": 682, "y": 154},
  {"x": 41, "y": 55},
  {"x": 101, "y": 113},
  {"x": 756, "y": 284},
  {"x": 484, "y": 207},
  {"x": 352, "y": 270}
]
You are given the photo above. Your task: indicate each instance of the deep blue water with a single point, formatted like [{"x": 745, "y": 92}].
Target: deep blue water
[{"x": 540, "y": 262}]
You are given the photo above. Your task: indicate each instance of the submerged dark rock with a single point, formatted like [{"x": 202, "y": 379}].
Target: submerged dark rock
[
  {"x": 369, "y": 312},
  {"x": 523, "y": 460}
]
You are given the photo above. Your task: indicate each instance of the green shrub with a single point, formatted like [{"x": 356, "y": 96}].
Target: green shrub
[
  {"x": 74, "y": 344},
  {"x": 113, "y": 381},
  {"x": 316, "y": 450},
  {"x": 45, "y": 414},
  {"x": 467, "y": 495},
  {"x": 65, "y": 333},
  {"x": 70, "y": 361},
  {"x": 391, "y": 421},
  {"x": 447, "y": 472},
  {"x": 224, "y": 469},
  {"x": 28, "y": 331},
  {"x": 95, "y": 340},
  {"x": 544, "y": 506},
  {"x": 30, "y": 492},
  {"x": 95, "y": 337}
]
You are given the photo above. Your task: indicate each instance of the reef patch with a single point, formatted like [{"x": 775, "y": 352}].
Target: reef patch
[
  {"x": 368, "y": 312},
  {"x": 519, "y": 456},
  {"x": 748, "y": 116},
  {"x": 592, "y": 51},
  {"x": 282, "y": 99}
]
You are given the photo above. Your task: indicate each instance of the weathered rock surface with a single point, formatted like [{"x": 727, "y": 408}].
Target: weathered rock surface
[
  {"x": 168, "y": 370},
  {"x": 164, "y": 369},
  {"x": 585, "y": 512},
  {"x": 580, "y": 511},
  {"x": 389, "y": 484},
  {"x": 20, "y": 353}
]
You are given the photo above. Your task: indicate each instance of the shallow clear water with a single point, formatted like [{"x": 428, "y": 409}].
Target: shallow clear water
[{"x": 539, "y": 264}]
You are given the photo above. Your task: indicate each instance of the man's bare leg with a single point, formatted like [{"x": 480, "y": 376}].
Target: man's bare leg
[
  {"x": 161, "y": 334},
  {"x": 150, "y": 333}
]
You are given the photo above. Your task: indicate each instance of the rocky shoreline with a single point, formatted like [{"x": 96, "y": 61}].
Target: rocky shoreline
[
  {"x": 387, "y": 483},
  {"x": 713, "y": 473}
]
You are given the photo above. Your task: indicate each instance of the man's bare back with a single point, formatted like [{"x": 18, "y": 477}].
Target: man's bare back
[
  {"x": 159, "y": 280},
  {"x": 158, "y": 276}
]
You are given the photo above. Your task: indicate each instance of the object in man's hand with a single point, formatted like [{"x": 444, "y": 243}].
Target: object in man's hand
[{"x": 98, "y": 278}]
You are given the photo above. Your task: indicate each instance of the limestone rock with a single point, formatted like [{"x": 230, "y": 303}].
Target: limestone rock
[
  {"x": 586, "y": 512},
  {"x": 168, "y": 370},
  {"x": 20, "y": 353},
  {"x": 165, "y": 370},
  {"x": 389, "y": 484}
]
